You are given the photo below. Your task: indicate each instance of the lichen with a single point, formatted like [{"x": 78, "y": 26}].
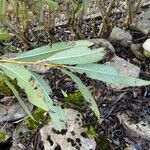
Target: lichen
[
  {"x": 3, "y": 136},
  {"x": 38, "y": 115}
]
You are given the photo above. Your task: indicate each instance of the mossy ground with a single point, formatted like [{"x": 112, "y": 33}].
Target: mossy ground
[
  {"x": 5, "y": 89},
  {"x": 102, "y": 142},
  {"x": 74, "y": 98},
  {"x": 39, "y": 117},
  {"x": 3, "y": 136}
]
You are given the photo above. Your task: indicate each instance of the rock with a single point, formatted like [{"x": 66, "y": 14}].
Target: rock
[
  {"x": 72, "y": 139},
  {"x": 13, "y": 112},
  {"x": 146, "y": 47},
  {"x": 137, "y": 50},
  {"x": 136, "y": 130},
  {"x": 124, "y": 68},
  {"x": 142, "y": 22},
  {"x": 102, "y": 43},
  {"x": 120, "y": 35}
]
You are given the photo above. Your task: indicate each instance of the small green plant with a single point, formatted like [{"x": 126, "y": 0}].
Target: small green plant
[
  {"x": 69, "y": 57},
  {"x": 3, "y": 136}
]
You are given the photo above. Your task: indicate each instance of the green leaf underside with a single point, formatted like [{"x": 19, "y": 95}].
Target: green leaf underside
[
  {"x": 26, "y": 81},
  {"x": 99, "y": 72},
  {"x": 24, "y": 106},
  {"x": 85, "y": 92},
  {"x": 47, "y": 51},
  {"x": 77, "y": 55},
  {"x": 56, "y": 113}
]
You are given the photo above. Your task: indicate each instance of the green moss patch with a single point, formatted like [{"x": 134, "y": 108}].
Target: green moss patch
[
  {"x": 3, "y": 136},
  {"x": 74, "y": 98},
  {"x": 39, "y": 117}
]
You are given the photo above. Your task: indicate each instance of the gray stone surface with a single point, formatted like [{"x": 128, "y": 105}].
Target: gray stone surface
[
  {"x": 72, "y": 139},
  {"x": 136, "y": 130},
  {"x": 146, "y": 47},
  {"x": 13, "y": 112},
  {"x": 142, "y": 22},
  {"x": 120, "y": 35}
]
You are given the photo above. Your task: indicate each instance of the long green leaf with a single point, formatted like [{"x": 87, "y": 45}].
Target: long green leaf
[
  {"x": 47, "y": 51},
  {"x": 85, "y": 92},
  {"x": 56, "y": 113},
  {"x": 24, "y": 106},
  {"x": 77, "y": 55},
  {"x": 103, "y": 73},
  {"x": 26, "y": 81}
]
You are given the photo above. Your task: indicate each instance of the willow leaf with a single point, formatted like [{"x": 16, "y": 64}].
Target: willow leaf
[
  {"x": 56, "y": 113},
  {"x": 103, "y": 73},
  {"x": 77, "y": 55},
  {"x": 47, "y": 51},
  {"x": 26, "y": 81},
  {"x": 85, "y": 92}
]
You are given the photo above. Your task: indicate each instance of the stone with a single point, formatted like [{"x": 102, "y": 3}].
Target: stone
[
  {"x": 142, "y": 22},
  {"x": 146, "y": 47},
  {"x": 102, "y": 43},
  {"x": 13, "y": 112},
  {"x": 136, "y": 130},
  {"x": 120, "y": 35},
  {"x": 138, "y": 51},
  {"x": 72, "y": 139},
  {"x": 125, "y": 68}
]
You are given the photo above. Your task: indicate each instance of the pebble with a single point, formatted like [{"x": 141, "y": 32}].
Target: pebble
[
  {"x": 13, "y": 112},
  {"x": 120, "y": 35},
  {"x": 142, "y": 22},
  {"x": 146, "y": 47}
]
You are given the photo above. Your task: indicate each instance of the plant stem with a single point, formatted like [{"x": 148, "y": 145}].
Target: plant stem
[{"x": 40, "y": 63}]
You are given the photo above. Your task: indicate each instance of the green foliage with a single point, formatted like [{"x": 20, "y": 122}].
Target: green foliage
[
  {"x": 75, "y": 98},
  {"x": 4, "y": 35},
  {"x": 68, "y": 57},
  {"x": 3, "y": 136},
  {"x": 38, "y": 115}
]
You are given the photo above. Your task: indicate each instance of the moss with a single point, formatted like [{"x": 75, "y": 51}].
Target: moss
[
  {"x": 5, "y": 89},
  {"x": 38, "y": 115},
  {"x": 102, "y": 142},
  {"x": 75, "y": 98},
  {"x": 3, "y": 136},
  {"x": 91, "y": 132}
]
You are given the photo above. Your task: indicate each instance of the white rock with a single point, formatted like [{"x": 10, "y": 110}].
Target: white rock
[
  {"x": 146, "y": 47},
  {"x": 120, "y": 35},
  {"x": 125, "y": 68},
  {"x": 72, "y": 139},
  {"x": 142, "y": 22},
  {"x": 136, "y": 130}
]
